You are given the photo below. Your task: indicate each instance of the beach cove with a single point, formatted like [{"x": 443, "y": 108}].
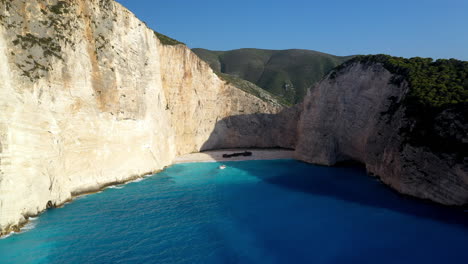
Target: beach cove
[{"x": 265, "y": 211}]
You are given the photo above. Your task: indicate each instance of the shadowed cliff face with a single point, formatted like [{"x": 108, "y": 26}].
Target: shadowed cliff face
[
  {"x": 359, "y": 115},
  {"x": 256, "y": 131}
]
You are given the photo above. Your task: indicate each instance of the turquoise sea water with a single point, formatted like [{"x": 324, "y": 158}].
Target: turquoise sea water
[{"x": 280, "y": 211}]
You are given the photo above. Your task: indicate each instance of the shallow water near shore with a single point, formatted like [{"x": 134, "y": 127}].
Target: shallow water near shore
[{"x": 281, "y": 211}]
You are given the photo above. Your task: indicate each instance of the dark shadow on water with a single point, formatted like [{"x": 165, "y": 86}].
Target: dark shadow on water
[
  {"x": 351, "y": 183},
  {"x": 347, "y": 182}
]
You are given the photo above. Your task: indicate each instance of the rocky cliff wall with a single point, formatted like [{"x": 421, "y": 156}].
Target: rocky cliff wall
[
  {"x": 358, "y": 114},
  {"x": 256, "y": 130},
  {"x": 198, "y": 101},
  {"x": 90, "y": 97}
]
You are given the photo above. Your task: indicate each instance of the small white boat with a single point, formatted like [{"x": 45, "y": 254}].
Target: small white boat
[{"x": 222, "y": 167}]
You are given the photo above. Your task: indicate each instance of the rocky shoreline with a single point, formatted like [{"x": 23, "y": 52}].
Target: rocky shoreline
[
  {"x": 99, "y": 188},
  {"x": 205, "y": 156}
]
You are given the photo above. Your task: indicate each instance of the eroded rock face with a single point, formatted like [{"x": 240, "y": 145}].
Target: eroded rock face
[
  {"x": 90, "y": 97},
  {"x": 256, "y": 130},
  {"x": 198, "y": 101},
  {"x": 358, "y": 115}
]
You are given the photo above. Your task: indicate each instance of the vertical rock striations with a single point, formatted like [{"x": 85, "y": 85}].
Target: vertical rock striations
[
  {"x": 90, "y": 97},
  {"x": 197, "y": 100},
  {"x": 359, "y": 113}
]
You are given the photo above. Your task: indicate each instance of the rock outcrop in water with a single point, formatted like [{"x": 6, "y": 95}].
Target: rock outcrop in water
[{"x": 89, "y": 97}]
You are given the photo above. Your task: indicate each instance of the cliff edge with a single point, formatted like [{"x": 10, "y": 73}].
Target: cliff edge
[
  {"x": 90, "y": 97},
  {"x": 364, "y": 112}
]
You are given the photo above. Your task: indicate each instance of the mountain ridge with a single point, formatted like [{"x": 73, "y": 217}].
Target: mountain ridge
[{"x": 285, "y": 73}]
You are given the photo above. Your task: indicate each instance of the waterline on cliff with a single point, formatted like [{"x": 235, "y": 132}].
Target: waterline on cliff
[
  {"x": 116, "y": 187},
  {"x": 25, "y": 225},
  {"x": 28, "y": 226},
  {"x": 7, "y": 235},
  {"x": 281, "y": 211},
  {"x": 205, "y": 156}
]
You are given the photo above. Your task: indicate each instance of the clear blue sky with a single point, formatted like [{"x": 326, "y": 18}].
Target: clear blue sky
[{"x": 408, "y": 28}]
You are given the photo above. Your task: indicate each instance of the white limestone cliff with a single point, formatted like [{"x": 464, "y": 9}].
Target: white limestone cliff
[
  {"x": 357, "y": 115},
  {"x": 90, "y": 97}
]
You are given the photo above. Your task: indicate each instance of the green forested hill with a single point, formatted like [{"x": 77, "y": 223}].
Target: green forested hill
[
  {"x": 236, "y": 81},
  {"x": 284, "y": 73},
  {"x": 433, "y": 83}
]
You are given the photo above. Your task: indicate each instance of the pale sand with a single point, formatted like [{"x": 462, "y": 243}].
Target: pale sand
[{"x": 217, "y": 155}]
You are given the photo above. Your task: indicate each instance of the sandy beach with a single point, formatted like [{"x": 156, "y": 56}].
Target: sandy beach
[{"x": 217, "y": 155}]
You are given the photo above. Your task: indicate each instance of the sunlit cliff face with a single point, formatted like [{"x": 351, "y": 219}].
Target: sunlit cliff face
[{"x": 90, "y": 97}]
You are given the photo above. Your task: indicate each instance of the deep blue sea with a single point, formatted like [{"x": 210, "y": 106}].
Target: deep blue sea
[{"x": 281, "y": 211}]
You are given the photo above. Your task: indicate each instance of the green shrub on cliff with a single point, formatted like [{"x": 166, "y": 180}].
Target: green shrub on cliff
[
  {"x": 165, "y": 40},
  {"x": 59, "y": 8},
  {"x": 432, "y": 83}
]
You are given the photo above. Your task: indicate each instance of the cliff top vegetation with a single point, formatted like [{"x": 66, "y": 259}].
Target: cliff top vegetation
[
  {"x": 165, "y": 40},
  {"x": 432, "y": 83},
  {"x": 436, "y": 103}
]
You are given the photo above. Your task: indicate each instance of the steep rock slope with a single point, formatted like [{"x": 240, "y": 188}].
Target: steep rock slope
[
  {"x": 197, "y": 101},
  {"x": 360, "y": 112},
  {"x": 259, "y": 130},
  {"x": 285, "y": 73},
  {"x": 90, "y": 97}
]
